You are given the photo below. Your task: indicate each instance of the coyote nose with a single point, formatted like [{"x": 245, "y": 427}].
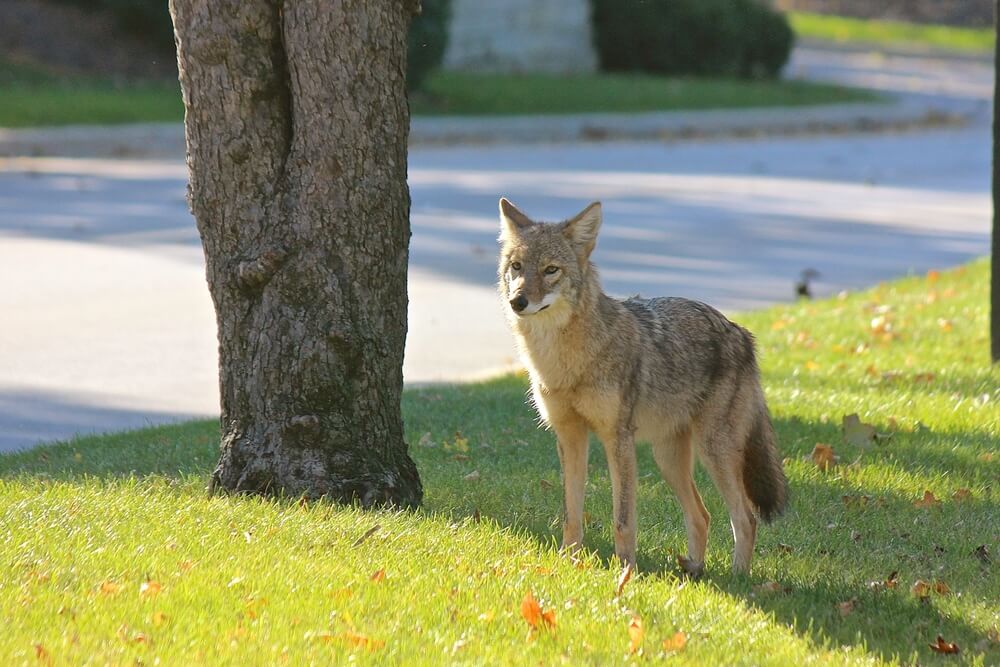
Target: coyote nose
[{"x": 519, "y": 303}]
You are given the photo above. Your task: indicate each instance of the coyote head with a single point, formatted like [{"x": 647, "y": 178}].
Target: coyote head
[{"x": 544, "y": 266}]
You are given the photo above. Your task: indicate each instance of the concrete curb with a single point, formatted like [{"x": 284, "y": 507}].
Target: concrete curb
[{"x": 166, "y": 140}]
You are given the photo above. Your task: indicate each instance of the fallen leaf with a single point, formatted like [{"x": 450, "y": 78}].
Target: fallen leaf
[
  {"x": 150, "y": 589},
  {"x": 42, "y": 655},
  {"x": 982, "y": 554},
  {"x": 635, "y": 634},
  {"x": 360, "y": 641},
  {"x": 847, "y": 607},
  {"x": 546, "y": 484},
  {"x": 109, "y": 587},
  {"x": 784, "y": 548},
  {"x": 472, "y": 476},
  {"x": 532, "y": 612},
  {"x": 460, "y": 457},
  {"x": 961, "y": 494},
  {"x": 377, "y": 576},
  {"x": 945, "y": 325},
  {"x": 425, "y": 440},
  {"x": 771, "y": 587},
  {"x": 368, "y": 533},
  {"x": 676, "y": 642},
  {"x": 812, "y": 365},
  {"x": 921, "y": 589},
  {"x": 891, "y": 582},
  {"x": 822, "y": 456},
  {"x": 941, "y": 588},
  {"x": 986, "y": 457},
  {"x": 927, "y": 501},
  {"x": 941, "y": 646},
  {"x": 623, "y": 579},
  {"x": 158, "y": 618},
  {"x": 857, "y": 432},
  {"x": 933, "y": 275}
]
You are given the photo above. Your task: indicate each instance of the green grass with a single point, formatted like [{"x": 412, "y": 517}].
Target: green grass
[
  {"x": 475, "y": 94},
  {"x": 891, "y": 33},
  {"x": 33, "y": 96},
  {"x": 249, "y": 581}
]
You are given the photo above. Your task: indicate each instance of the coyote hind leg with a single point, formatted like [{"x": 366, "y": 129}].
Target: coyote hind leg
[{"x": 673, "y": 455}]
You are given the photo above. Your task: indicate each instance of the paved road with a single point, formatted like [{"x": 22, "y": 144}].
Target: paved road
[{"x": 106, "y": 322}]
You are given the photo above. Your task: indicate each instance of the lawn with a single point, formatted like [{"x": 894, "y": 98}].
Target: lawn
[
  {"x": 112, "y": 552},
  {"x": 33, "y": 96},
  {"x": 891, "y": 33}
]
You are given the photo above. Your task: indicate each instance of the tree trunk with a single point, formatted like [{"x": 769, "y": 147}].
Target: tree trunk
[
  {"x": 296, "y": 125},
  {"x": 995, "y": 259}
]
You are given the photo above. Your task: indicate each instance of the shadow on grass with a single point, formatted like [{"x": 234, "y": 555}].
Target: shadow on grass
[{"x": 823, "y": 553}]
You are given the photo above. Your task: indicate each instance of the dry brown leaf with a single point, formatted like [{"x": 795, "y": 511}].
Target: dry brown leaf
[
  {"x": 623, "y": 579},
  {"x": 771, "y": 587},
  {"x": 822, "y": 456},
  {"x": 378, "y": 576},
  {"x": 532, "y": 612},
  {"x": 109, "y": 587},
  {"x": 150, "y": 589},
  {"x": 941, "y": 588},
  {"x": 857, "y": 432},
  {"x": 846, "y": 608},
  {"x": 546, "y": 484},
  {"x": 158, "y": 618},
  {"x": 921, "y": 589},
  {"x": 961, "y": 495},
  {"x": 891, "y": 582},
  {"x": 472, "y": 476},
  {"x": 636, "y": 632},
  {"x": 676, "y": 642},
  {"x": 360, "y": 641},
  {"x": 42, "y": 655},
  {"x": 941, "y": 646},
  {"x": 425, "y": 440},
  {"x": 927, "y": 501},
  {"x": 986, "y": 457},
  {"x": 945, "y": 325}
]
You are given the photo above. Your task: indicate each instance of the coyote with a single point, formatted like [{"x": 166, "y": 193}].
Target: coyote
[{"x": 669, "y": 371}]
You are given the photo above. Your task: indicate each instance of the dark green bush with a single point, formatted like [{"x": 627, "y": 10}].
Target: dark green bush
[
  {"x": 691, "y": 37},
  {"x": 427, "y": 41},
  {"x": 150, "y": 19}
]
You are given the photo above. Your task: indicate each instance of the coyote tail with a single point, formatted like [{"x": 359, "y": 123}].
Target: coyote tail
[{"x": 763, "y": 477}]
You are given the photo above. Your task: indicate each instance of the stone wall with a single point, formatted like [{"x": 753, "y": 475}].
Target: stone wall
[
  {"x": 977, "y": 13},
  {"x": 520, "y": 36}
]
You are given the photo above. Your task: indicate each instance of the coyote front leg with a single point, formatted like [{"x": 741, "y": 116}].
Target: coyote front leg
[
  {"x": 572, "y": 443},
  {"x": 619, "y": 446}
]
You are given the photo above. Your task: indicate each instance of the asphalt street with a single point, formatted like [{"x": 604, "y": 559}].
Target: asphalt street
[{"x": 107, "y": 324}]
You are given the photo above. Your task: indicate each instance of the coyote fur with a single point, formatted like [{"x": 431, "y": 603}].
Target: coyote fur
[{"x": 668, "y": 371}]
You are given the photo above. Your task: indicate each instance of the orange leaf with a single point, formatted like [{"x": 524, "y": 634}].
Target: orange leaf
[
  {"x": 771, "y": 587},
  {"x": 150, "y": 589},
  {"x": 927, "y": 501},
  {"x": 675, "y": 643},
  {"x": 360, "y": 641},
  {"x": 42, "y": 655},
  {"x": 159, "y": 618},
  {"x": 533, "y": 614},
  {"x": 920, "y": 588},
  {"x": 941, "y": 588},
  {"x": 623, "y": 579},
  {"x": 962, "y": 494},
  {"x": 530, "y": 610},
  {"x": 110, "y": 587},
  {"x": 941, "y": 646},
  {"x": 847, "y": 607},
  {"x": 933, "y": 275},
  {"x": 635, "y": 634},
  {"x": 378, "y": 576},
  {"x": 822, "y": 456}
]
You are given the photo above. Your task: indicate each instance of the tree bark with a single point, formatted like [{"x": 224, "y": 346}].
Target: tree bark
[
  {"x": 296, "y": 124},
  {"x": 995, "y": 255}
]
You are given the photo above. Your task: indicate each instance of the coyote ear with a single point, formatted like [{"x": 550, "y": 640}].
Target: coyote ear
[
  {"x": 512, "y": 220},
  {"x": 582, "y": 229}
]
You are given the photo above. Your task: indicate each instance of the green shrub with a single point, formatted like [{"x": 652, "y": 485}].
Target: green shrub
[
  {"x": 427, "y": 41},
  {"x": 691, "y": 37},
  {"x": 150, "y": 19}
]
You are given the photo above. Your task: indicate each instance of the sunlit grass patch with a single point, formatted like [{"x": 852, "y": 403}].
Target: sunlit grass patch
[{"x": 112, "y": 551}]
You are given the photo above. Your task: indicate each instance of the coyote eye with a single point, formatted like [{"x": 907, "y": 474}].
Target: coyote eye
[
  {"x": 551, "y": 269},
  {"x": 516, "y": 266}
]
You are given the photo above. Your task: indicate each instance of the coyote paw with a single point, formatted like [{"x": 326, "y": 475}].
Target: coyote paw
[{"x": 690, "y": 568}]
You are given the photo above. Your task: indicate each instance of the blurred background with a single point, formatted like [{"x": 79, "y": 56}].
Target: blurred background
[{"x": 747, "y": 153}]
